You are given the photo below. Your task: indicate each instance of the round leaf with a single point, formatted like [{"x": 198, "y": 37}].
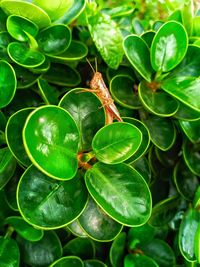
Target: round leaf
[
  {"x": 29, "y": 11},
  {"x": 192, "y": 157},
  {"x": 25, "y": 230},
  {"x": 142, "y": 166},
  {"x": 117, "y": 250},
  {"x": 5, "y": 39},
  {"x": 66, "y": 199},
  {"x": 70, "y": 261},
  {"x": 158, "y": 103},
  {"x": 25, "y": 78},
  {"x": 24, "y": 56},
  {"x": 121, "y": 192},
  {"x": 15, "y": 125},
  {"x": 40, "y": 253},
  {"x": 169, "y": 46},
  {"x": 121, "y": 88},
  {"x": 84, "y": 107},
  {"x": 9, "y": 246},
  {"x": 51, "y": 139},
  {"x": 142, "y": 234},
  {"x": 116, "y": 142},
  {"x": 191, "y": 129},
  {"x": 186, "y": 113},
  {"x": 54, "y": 39},
  {"x": 138, "y": 54},
  {"x": 98, "y": 225},
  {"x": 76, "y": 229},
  {"x": 187, "y": 233},
  {"x": 48, "y": 92},
  {"x": 139, "y": 260},
  {"x": 7, "y": 83},
  {"x": 18, "y": 27},
  {"x": 94, "y": 263}
]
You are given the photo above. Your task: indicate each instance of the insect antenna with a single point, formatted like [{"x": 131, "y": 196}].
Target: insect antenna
[{"x": 90, "y": 65}]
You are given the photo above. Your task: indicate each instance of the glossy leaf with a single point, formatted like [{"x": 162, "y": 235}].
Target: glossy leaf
[
  {"x": 185, "y": 89},
  {"x": 25, "y": 230},
  {"x": 24, "y": 56},
  {"x": 25, "y": 78},
  {"x": 191, "y": 129},
  {"x": 18, "y": 27},
  {"x": 197, "y": 243},
  {"x": 75, "y": 10},
  {"x": 7, "y": 166},
  {"x": 48, "y": 93},
  {"x": 116, "y": 142},
  {"x": 142, "y": 234},
  {"x": 114, "y": 187},
  {"x": 121, "y": 88},
  {"x": 51, "y": 139},
  {"x": 148, "y": 37},
  {"x": 138, "y": 54},
  {"x": 7, "y": 83},
  {"x": 94, "y": 263},
  {"x": 15, "y": 125},
  {"x": 66, "y": 199},
  {"x": 164, "y": 211},
  {"x": 54, "y": 39},
  {"x": 117, "y": 250},
  {"x": 98, "y": 225},
  {"x": 160, "y": 252},
  {"x": 70, "y": 261},
  {"x": 142, "y": 166},
  {"x": 81, "y": 247},
  {"x": 138, "y": 261},
  {"x": 40, "y": 253},
  {"x": 76, "y": 229},
  {"x": 9, "y": 246},
  {"x": 186, "y": 182},
  {"x": 63, "y": 75},
  {"x": 5, "y": 39},
  {"x": 84, "y": 107},
  {"x": 187, "y": 233},
  {"x": 55, "y": 9},
  {"x": 162, "y": 131},
  {"x": 29, "y": 11},
  {"x": 76, "y": 51},
  {"x": 186, "y": 113},
  {"x": 169, "y": 46},
  {"x": 109, "y": 45},
  {"x": 158, "y": 103},
  {"x": 192, "y": 157}
]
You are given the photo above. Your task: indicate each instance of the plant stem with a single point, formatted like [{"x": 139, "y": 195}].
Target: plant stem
[{"x": 9, "y": 232}]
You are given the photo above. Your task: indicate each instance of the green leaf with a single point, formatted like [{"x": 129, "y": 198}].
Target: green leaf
[
  {"x": 142, "y": 166},
  {"x": 169, "y": 46},
  {"x": 121, "y": 88},
  {"x": 191, "y": 129},
  {"x": 25, "y": 230},
  {"x": 116, "y": 142},
  {"x": 145, "y": 138},
  {"x": 84, "y": 107},
  {"x": 108, "y": 44},
  {"x": 70, "y": 261},
  {"x": 117, "y": 250},
  {"x": 76, "y": 51},
  {"x": 192, "y": 157},
  {"x": 7, "y": 166},
  {"x": 185, "y": 89},
  {"x": 66, "y": 199},
  {"x": 98, "y": 225},
  {"x": 162, "y": 131},
  {"x": 63, "y": 75},
  {"x": 5, "y": 39},
  {"x": 75, "y": 10},
  {"x": 81, "y": 247},
  {"x": 7, "y": 83},
  {"x": 187, "y": 233},
  {"x": 185, "y": 181},
  {"x": 29, "y": 11},
  {"x": 187, "y": 13},
  {"x": 160, "y": 252},
  {"x": 48, "y": 93},
  {"x": 138, "y": 261},
  {"x": 9, "y": 253},
  {"x": 55, "y": 9},
  {"x": 24, "y": 56},
  {"x": 186, "y": 113},
  {"x": 164, "y": 211},
  {"x": 115, "y": 188},
  {"x": 197, "y": 244},
  {"x": 148, "y": 37},
  {"x": 76, "y": 229},
  {"x": 40, "y": 253},
  {"x": 138, "y": 54},
  {"x": 15, "y": 125},
  {"x": 143, "y": 234},
  {"x": 18, "y": 27},
  {"x": 94, "y": 263},
  {"x": 159, "y": 102},
  {"x": 25, "y": 78},
  {"x": 51, "y": 139},
  {"x": 54, "y": 39}
]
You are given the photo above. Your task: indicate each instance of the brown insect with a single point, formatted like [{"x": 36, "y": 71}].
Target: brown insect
[{"x": 98, "y": 86}]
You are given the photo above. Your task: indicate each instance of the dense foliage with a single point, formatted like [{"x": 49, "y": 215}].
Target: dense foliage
[{"x": 77, "y": 189}]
